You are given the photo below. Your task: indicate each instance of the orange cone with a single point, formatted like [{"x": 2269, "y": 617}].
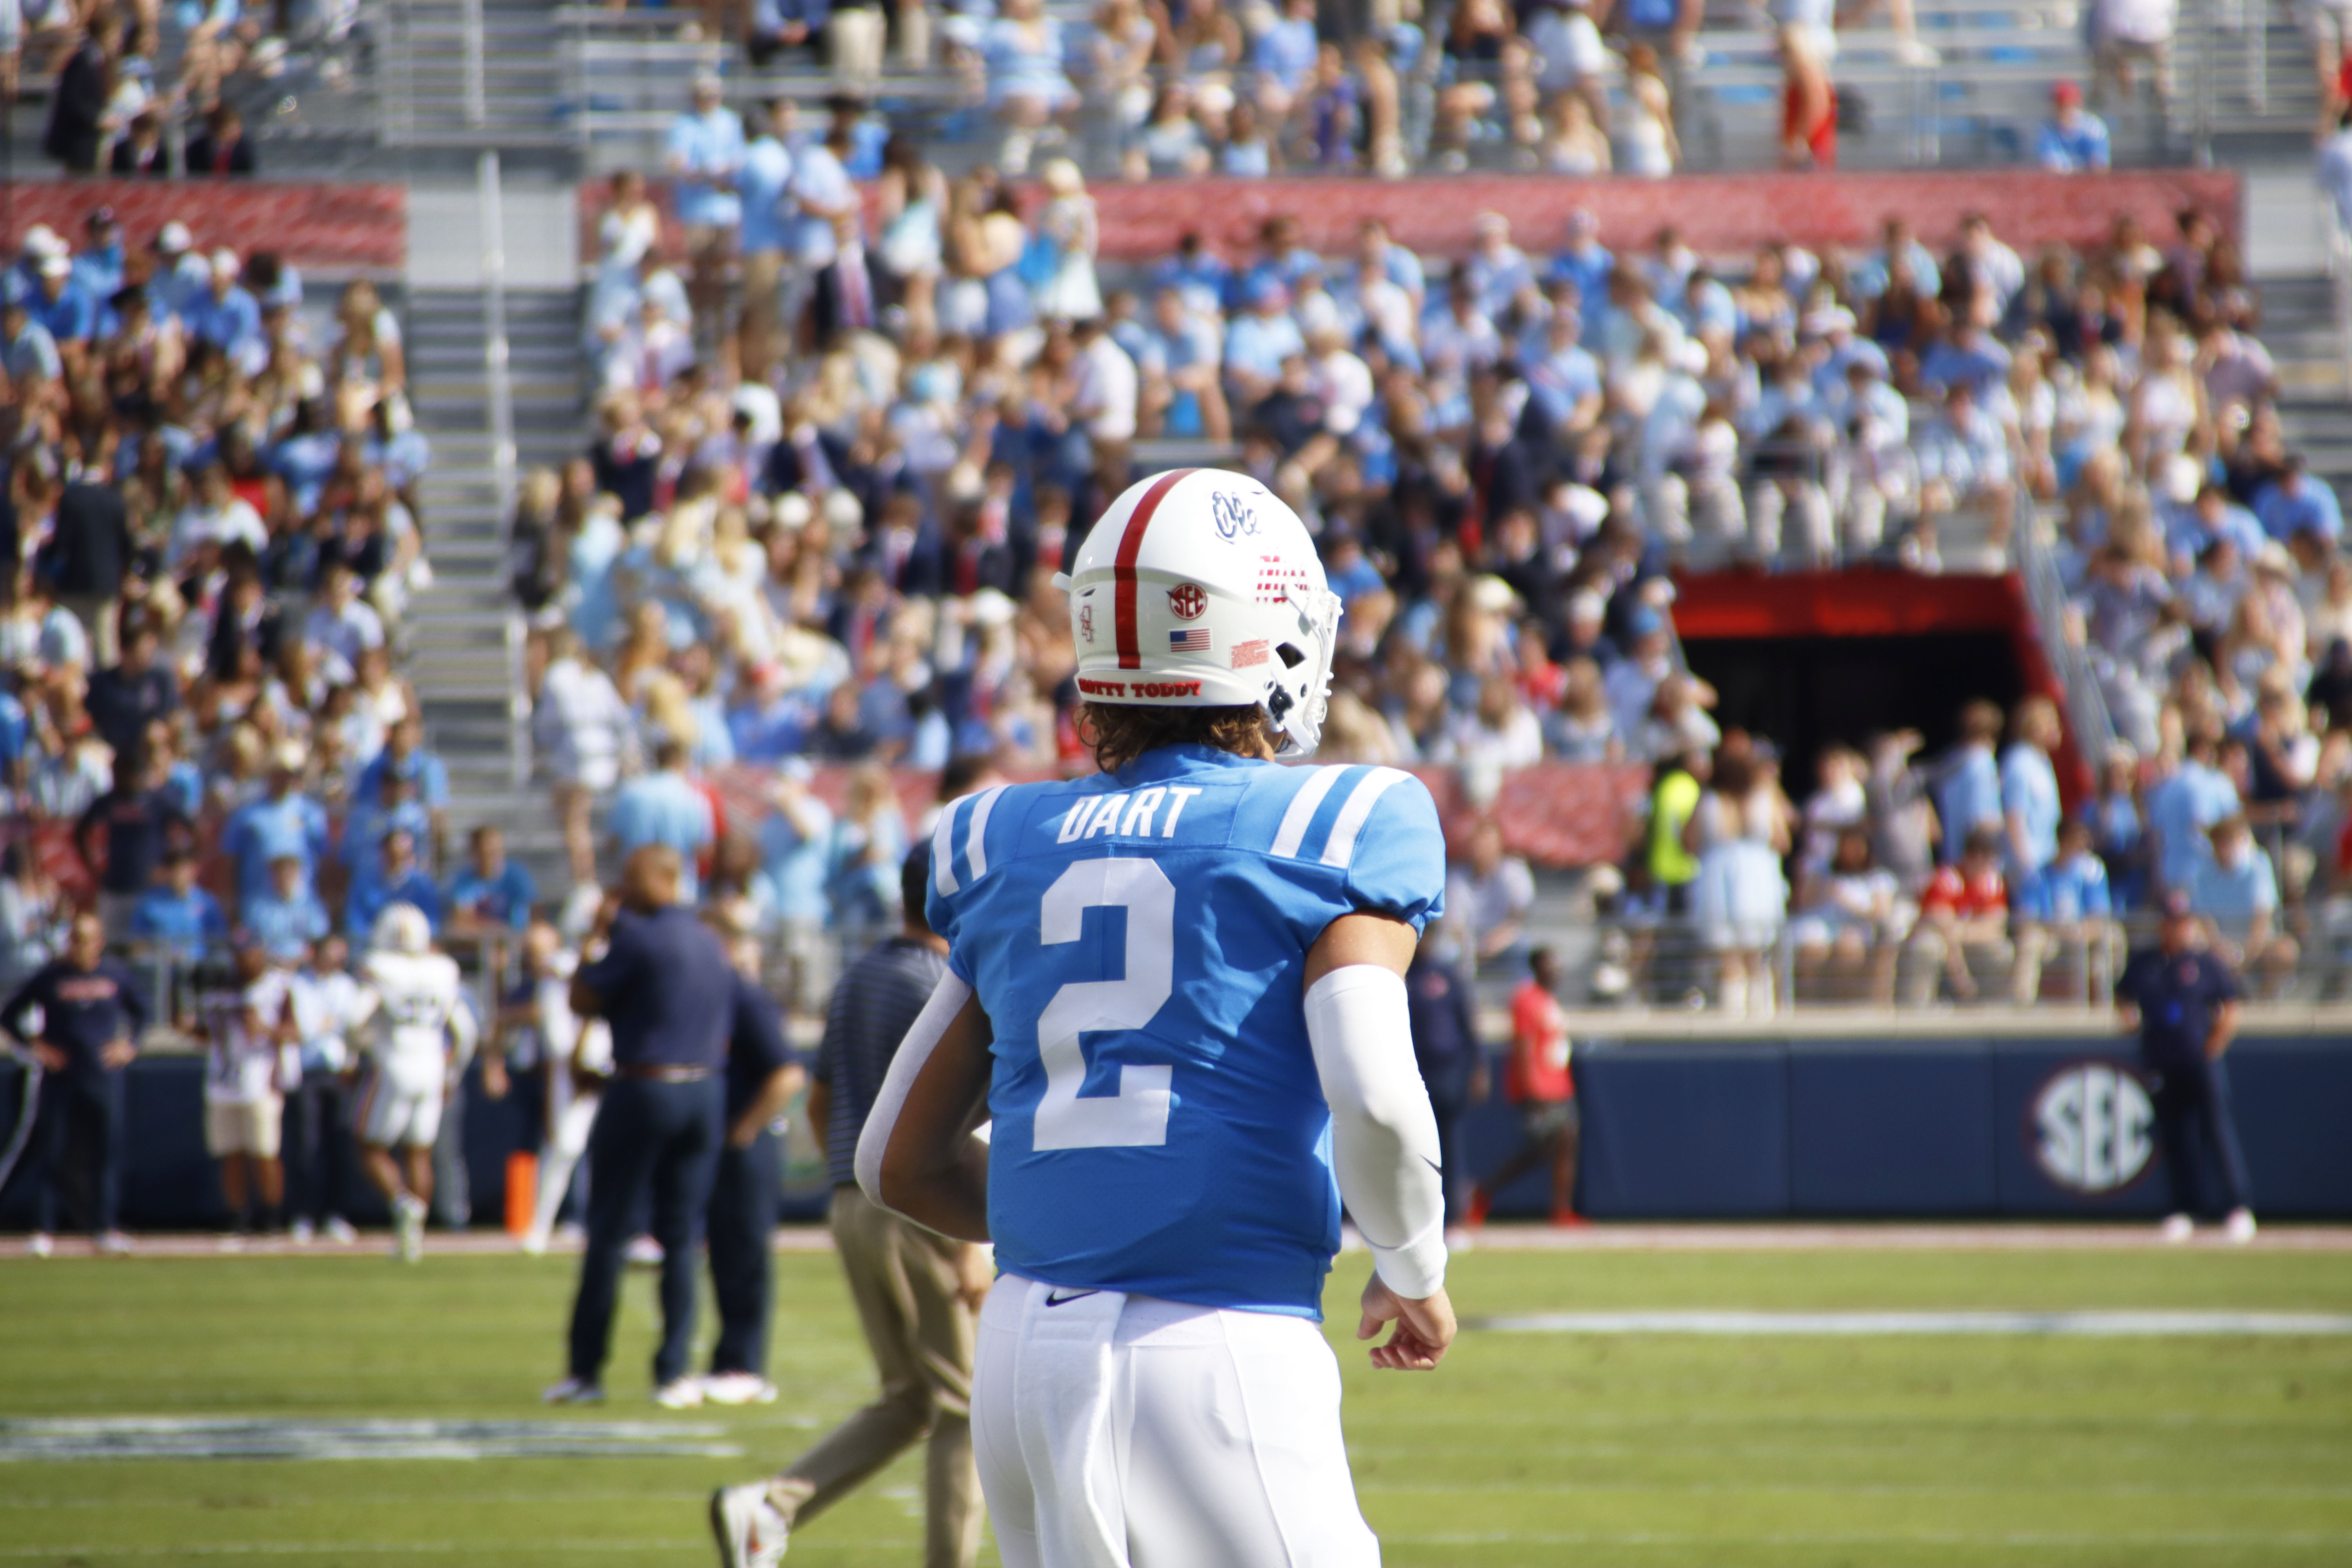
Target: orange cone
[{"x": 523, "y": 1192}]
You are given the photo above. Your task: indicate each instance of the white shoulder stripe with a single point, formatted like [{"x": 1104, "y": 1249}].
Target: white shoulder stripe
[
  {"x": 1357, "y": 812},
  {"x": 943, "y": 874},
  {"x": 1296, "y": 821},
  {"x": 975, "y": 846}
]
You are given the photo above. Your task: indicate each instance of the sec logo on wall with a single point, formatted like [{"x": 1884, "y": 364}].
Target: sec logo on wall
[{"x": 2092, "y": 1128}]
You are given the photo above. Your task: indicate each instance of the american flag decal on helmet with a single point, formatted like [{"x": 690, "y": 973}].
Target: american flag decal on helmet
[{"x": 1189, "y": 640}]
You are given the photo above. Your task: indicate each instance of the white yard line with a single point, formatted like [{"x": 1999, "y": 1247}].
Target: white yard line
[{"x": 1864, "y": 1325}]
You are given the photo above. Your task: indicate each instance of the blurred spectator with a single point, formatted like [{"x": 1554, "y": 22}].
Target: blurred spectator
[
  {"x": 174, "y": 918},
  {"x": 662, "y": 807},
  {"x": 1489, "y": 893},
  {"x": 2029, "y": 806},
  {"x": 138, "y": 822},
  {"x": 1539, "y": 1083},
  {"x": 2066, "y": 909},
  {"x": 1740, "y": 831},
  {"x": 288, "y": 917},
  {"x": 397, "y": 879},
  {"x": 248, "y": 1024},
  {"x": 1969, "y": 797},
  {"x": 221, "y": 148},
  {"x": 1962, "y": 937},
  {"x": 1444, "y": 1004},
  {"x": 2235, "y": 892},
  {"x": 705, "y": 156},
  {"x": 76, "y": 133},
  {"x": 1844, "y": 937},
  {"x": 2072, "y": 141},
  {"x": 490, "y": 895},
  {"x": 90, "y": 1020}
]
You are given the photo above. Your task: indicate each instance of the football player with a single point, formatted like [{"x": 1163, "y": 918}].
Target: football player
[
  {"x": 1177, "y": 989},
  {"x": 415, "y": 998}
]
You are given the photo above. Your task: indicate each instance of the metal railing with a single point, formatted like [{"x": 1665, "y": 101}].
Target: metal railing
[
  {"x": 2339, "y": 282},
  {"x": 499, "y": 391}
]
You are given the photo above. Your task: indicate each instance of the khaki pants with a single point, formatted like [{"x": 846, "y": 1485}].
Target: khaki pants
[
  {"x": 854, "y": 38},
  {"x": 100, "y": 618},
  {"x": 903, "y": 1278}
]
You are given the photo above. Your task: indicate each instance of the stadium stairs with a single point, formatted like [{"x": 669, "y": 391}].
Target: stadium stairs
[{"x": 464, "y": 641}]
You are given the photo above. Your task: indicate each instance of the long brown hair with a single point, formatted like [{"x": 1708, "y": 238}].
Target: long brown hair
[{"x": 1119, "y": 732}]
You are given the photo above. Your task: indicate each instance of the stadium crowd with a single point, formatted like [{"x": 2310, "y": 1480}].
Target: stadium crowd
[{"x": 822, "y": 510}]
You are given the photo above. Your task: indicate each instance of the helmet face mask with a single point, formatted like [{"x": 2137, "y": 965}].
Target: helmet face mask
[{"x": 1199, "y": 588}]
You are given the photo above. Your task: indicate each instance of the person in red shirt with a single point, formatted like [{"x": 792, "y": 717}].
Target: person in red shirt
[
  {"x": 1539, "y": 1081},
  {"x": 1963, "y": 925}
]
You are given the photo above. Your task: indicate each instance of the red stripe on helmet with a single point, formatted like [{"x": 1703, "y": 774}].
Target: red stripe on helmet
[{"x": 1130, "y": 545}]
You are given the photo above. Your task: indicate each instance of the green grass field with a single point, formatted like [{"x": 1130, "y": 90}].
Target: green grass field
[{"x": 1523, "y": 1449}]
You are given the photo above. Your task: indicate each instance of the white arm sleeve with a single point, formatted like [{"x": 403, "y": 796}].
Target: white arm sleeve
[
  {"x": 948, "y": 998},
  {"x": 1383, "y": 1133}
]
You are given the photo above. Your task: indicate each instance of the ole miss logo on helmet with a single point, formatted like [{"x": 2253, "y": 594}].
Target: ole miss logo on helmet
[{"x": 1188, "y": 601}]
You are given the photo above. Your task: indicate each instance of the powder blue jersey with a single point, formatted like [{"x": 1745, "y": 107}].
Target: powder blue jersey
[{"x": 1138, "y": 942}]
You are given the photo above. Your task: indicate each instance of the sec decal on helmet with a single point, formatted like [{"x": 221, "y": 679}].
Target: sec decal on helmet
[{"x": 1213, "y": 596}]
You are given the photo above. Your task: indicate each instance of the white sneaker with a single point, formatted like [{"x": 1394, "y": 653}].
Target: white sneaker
[
  {"x": 341, "y": 1232},
  {"x": 645, "y": 1252},
  {"x": 680, "y": 1393},
  {"x": 39, "y": 1245},
  {"x": 407, "y": 1229},
  {"x": 2239, "y": 1226},
  {"x": 113, "y": 1244},
  {"x": 572, "y": 1391},
  {"x": 2176, "y": 1228},
  {"x": 749, "y": 1530},
  {"x": 302, "y": 1234},
  {"x": 739, "y": 1388},
  {"x": 532, "y": 1244}
]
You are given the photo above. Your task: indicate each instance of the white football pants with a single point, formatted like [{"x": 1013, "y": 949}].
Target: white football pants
[{"x": 1126, "y": 1432}]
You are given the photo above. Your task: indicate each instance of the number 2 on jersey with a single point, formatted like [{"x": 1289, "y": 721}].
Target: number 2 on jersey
[{"x": 1137, "y": 1115}]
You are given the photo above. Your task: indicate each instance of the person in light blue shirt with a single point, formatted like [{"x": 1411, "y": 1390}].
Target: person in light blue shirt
[
  {"x": 1967, "y": 793},
  {"x": 1969, "y": 355},
  {"x": 283, "y": 921},
  {"x": 489, "y": 891},
  {"x": 1563, "y": 379},
  {"x": 1869, "y": 279},
  {"x": 2184, "y": 807},
  {"x": 2028, "y": 791},
  {"x": 374, "y": 815},
  {"x": 283, "y": 821},
  {"x": 1497, "y": 271},
  {"x": 764, "y": 189},
  {"x": 2298, "y": 503},
  {"x": 26, "y": 350},
  {"x": 705, "y": 157},
  {"x": 704, "y": 154},
  {"x": 2064, "y": 908},
  {"x": 2190, "y": 530},
  {"x": 2236, "y": 891},
  {"x": 663, "y": 807},
  {"x": 60, "y": 305},
  {"x": 2072, "y": 141},
  {"x": 1283, "y": 55},
  {"x": 175, "y": 918},
  {"x": 1586, "y": 263},
  {"x": 1258, "y": 341},
  {"x": 398, "y": 879},
  {"x": 229, "y": 317}
]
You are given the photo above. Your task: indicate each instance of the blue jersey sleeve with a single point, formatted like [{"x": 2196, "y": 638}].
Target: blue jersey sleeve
[
  {"x": 960, "y": 847},
  {"x": 1398, "y": 868}
]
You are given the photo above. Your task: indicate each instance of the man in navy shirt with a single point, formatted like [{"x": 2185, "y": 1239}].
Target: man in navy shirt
[
  {"x": 665, "y": 988},
  {"x": 761, "y": 1076},
  {"x": 91, "y": 1019},
  {"x": 138, "y": 822},
  {"x": 2184, "y": 1002}
]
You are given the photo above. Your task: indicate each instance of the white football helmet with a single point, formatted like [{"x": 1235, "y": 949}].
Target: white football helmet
[
  {"x": 402, "y": 928},
  {"x": 1200, "y": 589}
]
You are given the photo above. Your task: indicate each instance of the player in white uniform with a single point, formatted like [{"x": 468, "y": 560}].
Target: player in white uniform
[
  {"x": 250, "y": 1036},
  {"x": 579, "y": 1058},
  {"x": 415, "y": 1000},
  {"x": 1176, "y": 989}
]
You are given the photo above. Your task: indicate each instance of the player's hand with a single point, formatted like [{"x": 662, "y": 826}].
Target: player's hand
[
  {"x": 51, "y": 1058},
  {"x": 975, "y": 1273},
  {"x": 1424, "y": 1328},
  {"x": 494, "y": 1076},
  {"x": 116, "y": 1053}
]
